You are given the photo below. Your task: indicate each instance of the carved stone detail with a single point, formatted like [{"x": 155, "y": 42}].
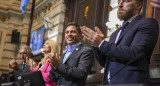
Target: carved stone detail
[
  {"x": 3, "y": 18},
  {"x": 55, "y": 1}
]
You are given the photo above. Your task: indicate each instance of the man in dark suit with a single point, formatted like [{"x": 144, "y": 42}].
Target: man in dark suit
[
  {"x": 75, "y": 63},
  {"x": 135, "y": 42},
  {"x": 16, "y": 69}
]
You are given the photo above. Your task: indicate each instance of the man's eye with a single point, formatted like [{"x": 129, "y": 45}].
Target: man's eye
[
  {"x": 126, "y": 0},
  {"x": 123, "y": 1},
  {"x": 73, "y": 32},
  {"x": 22, "y": 53},
  {"x": 66, "y": 32},
  {"x": 118, "y": 1}
]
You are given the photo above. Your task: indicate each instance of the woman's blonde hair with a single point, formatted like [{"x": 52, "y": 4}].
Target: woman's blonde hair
[{"x": 54, "y": 48}]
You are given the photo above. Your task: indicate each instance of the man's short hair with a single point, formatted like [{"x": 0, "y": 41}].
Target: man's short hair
[
  {"x": 74, "y": 24},
  {"x": 29, "y": 51},
  {"x": 140, "y": 1}
]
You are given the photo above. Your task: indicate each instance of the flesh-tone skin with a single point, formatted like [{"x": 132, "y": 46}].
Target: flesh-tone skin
[
  {"x": 155, "y": 3},
  {"x": 54, "y": 59},
  {"x": 46, "y": 47},
  {"x": 72, "y": 36},
  {"x": 124, "y": 6},
  {"x": 13, "y": 64}
]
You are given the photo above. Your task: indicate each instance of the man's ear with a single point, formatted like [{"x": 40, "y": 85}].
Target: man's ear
[
  {"x": 80, "y": 35},
  {"x": 139, "y": 6}
]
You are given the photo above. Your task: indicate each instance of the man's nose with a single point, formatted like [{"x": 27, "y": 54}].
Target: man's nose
[
  {"x": 69, "y": 33},
  {"x": 21, "y": 55},
  {"x": 120, "y": 3}
]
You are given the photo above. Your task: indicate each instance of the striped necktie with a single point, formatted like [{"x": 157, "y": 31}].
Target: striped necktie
[
  {"x": 120, "y": 32},
  {"x": 123, "y": 27}
]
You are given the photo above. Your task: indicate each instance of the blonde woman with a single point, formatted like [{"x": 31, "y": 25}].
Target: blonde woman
[{"x": 50, "y": 49}]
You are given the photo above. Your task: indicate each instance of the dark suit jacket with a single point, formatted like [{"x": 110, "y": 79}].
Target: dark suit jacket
[
  {"x": 76, "y": 68},
  {"x": 12, "y": 76},
  {"x": 140, "y": 36}
]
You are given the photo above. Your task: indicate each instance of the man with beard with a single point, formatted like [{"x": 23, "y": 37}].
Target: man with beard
[
  {"x": 126, "y": 56},
  {"x": 75, "y": 63}
]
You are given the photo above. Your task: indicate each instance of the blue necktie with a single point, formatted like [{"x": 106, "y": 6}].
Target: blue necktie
[
  {"x": 123, "y": 27},
  {"x": 120, "y": 32}
]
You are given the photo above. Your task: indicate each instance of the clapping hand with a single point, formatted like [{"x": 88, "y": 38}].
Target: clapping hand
[
  {"x": 28, "y": 61},
  {"x": 54, "y": 60},
  {"x": 13, "y": 65},
  {"x": 30, "y": 64},
  {"x": 94, "y": 37},
  {"x": 155, "y": 3}
]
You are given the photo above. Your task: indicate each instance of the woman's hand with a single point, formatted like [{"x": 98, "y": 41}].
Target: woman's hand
[
  {"x": 54, "y": 60},
  {"x": 30, "y": 64}
]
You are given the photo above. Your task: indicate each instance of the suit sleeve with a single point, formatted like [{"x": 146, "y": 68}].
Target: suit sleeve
[
  {"x": 53, "y": 75},
  {"x": 12, "y": 76},
  {"x": 144, "y": 39},
  {"x": 99, "y": 56},
  {"x": 83, "y": 68}
]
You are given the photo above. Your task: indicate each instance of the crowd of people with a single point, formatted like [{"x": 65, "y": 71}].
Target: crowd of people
[{"x": 132, "y": 44}]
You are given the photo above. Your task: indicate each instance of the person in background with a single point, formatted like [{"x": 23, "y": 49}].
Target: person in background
[
  {"x": 50, "y": 49},
  {"x": 155, "y": 3},
  {"x": 16, "y": 69},
  {"x": 75, "y": 63},
  {"x": 133, "y": 43}
]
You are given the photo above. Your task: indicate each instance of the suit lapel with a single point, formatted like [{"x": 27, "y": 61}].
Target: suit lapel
[
  {"x": 129, "y": 27},
  {"x": 113, "y": 36},
  {"x": 61, "y": 58},
  {"x": 74, "y": 52},
  {"x": 20, "y": 65}
]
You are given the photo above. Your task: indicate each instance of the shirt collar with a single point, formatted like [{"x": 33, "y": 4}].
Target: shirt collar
[
  {"x": 72, "y": 47},
  {"x": 130, "y": 20},
  {"x": 23, "y": 63}
]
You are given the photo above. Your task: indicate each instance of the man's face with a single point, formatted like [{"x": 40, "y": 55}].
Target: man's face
[
  {"x": 72, "y": 36},
  {"x": 23, "y": 54},
  {"x": 127, "y": 9}
]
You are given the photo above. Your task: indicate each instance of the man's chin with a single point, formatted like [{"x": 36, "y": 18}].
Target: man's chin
[
  {"x": 121, "y": 13},
  {"x": 121, "y": 16},
  {"x": 23, "y": 60},
  {"x": 69, "y": 42}
]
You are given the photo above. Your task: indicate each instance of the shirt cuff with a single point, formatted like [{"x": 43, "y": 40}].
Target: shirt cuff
[
  {"x": 10, "y": 73},
  {"x": 100, "y": 44}
]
